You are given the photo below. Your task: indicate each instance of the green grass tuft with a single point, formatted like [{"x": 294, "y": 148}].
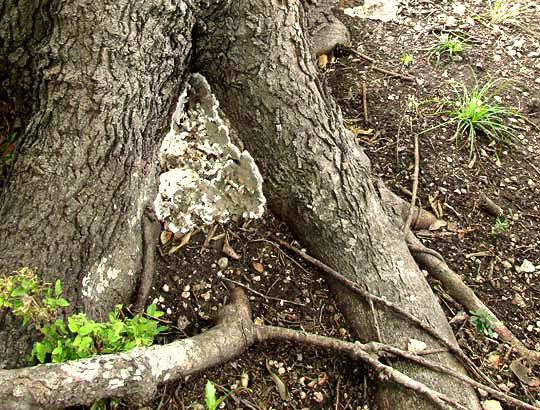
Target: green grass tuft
[
  {"x": 500, "y": 11},
  {"x": 476, "y": 113},
  {"x": 447, "y": 45}
]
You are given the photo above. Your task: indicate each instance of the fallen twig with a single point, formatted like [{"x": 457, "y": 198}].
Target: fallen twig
[
  {"x": 357, "y": 289},
  {"x": 370, "y": 354},
  {"x": 415, "y": 183},
  {"x": 382, "y": 70},
  {"x": 364, "y": 102},
  {"x": 135, "y": 375},
  {"x": 261, "y": 294},
  {"x": 437, "y": 267},
  {"x": 491, "y": 206}
]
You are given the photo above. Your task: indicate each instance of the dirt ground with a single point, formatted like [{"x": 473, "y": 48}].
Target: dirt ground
[{"x": 499, "y": 260}]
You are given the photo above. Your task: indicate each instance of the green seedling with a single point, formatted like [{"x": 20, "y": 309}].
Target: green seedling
[
  {"x": 30, "y": 299},
  {"x": 447, "y": 45},
  {"x": 7, "y": 147},
  {"x": 475, "y": 112},
  {"x": 210, "y": 397},
  {"x": 105, "y": 404},
  {"x": 76, "y": 336},
  {"x": 500, "y": 11},
  {"x": 500, "y": 226},
  {"x": 483, "y": 321},
  {"x": 407, "y": 60}
]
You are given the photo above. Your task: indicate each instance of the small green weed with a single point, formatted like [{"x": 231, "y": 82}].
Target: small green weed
[
  {"x": 500, "y": 11},
  {"x": 77, "y": 336},
  {"x": 447, "y": 45},
  {"x": 482, "y": 321},
  {"x": 30, "y": 299},
  {"x": 210, "y": 398},
  {"x": 7, "y": 146},
  {"x": 407, "y": 60},
  {"x": 500, "y": 226},
  {"x": 476, "y": 112}
]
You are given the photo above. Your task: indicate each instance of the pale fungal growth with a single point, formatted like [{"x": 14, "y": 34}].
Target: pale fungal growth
[{"x": 205, "y": 178}]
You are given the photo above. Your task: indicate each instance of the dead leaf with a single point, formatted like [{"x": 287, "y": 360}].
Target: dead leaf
[
  {"x": 422, "y": 219},
  {"x": 521, "y": 372},
  {"x": 244, "y": 379},
  {"x": 494, "y": 359},
  {"x": 526, "y": 266},
  {"x": 360, "y": 131},
  {"x": 534, "y": 383},
  {"x": 459, "y": 318},
  {"x": 165, "y": 237},
  {"x": 322, "y": 61},
  {"x": 435, "y": 205},
  {"x": 491, "y": 405},
  {"x": 185, "y": 239},
  {"x": 452, "y": 227},
  {"x": 437, "y": 224},
  {"x": 280, "y": 386},
  {"x": 519, "y": 301},
  {"x": 259, "y": 267},
  {"x": 229, "y": 251},
  {"x": 323, "y": 377}
]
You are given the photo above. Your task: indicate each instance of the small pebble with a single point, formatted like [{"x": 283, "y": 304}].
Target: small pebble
[{"x": 223, "y": 262}]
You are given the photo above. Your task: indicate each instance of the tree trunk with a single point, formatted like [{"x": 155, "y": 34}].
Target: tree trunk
[
  {"x": 103, "y": 79},
  {"x": 318, "y": 179}
]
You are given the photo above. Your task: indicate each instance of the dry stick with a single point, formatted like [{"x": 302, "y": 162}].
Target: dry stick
[
  {"x": 443, "y": 369},
  {"x": 415, "y": 183},
  {"x": 393, "y": 73},
  {"x": 364, "y": 102},
  {"x": 382, "y": 70},
  {"x": 357, "y": 289},
  {"x": 261, "y": 294},
  {"x": 533, "y": 167},
  {"x": 531, "y": 123},
  {"x": 460, "y": 291},
  {"x": 356, "y": 351},
  {"x": 370, "y": 354},
  {"x": 491, "y": 206}
]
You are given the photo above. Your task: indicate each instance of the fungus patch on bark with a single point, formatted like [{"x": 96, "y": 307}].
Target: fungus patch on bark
[
  {"x": 205, "y": 177},
  {"x": 384, "y": 11}
]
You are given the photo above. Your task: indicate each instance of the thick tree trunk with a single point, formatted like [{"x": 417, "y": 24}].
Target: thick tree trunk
[
  {"x": 318, "y": 179},
  {"x": 103, "y": 77},
  {"x": 106, "y": 77}
]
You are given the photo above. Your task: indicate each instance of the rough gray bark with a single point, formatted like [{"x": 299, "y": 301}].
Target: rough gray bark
[
  {"x": 318, "y": 180},
  {"x": 102, "y": 80},
  {"x": 103, "y": 77}
]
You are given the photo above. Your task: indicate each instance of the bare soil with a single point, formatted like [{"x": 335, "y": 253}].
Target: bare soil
[
  {"x": 494, "y": 259},
  {"x": 491, "y": 257}
]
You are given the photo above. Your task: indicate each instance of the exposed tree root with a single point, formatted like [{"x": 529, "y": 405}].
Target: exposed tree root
[
  {"x": 135, "y": 375},
  {"x": 372, "y": 298},
  {"x": 437, "y": 267},
  {"x": 151, "y": 229}
]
